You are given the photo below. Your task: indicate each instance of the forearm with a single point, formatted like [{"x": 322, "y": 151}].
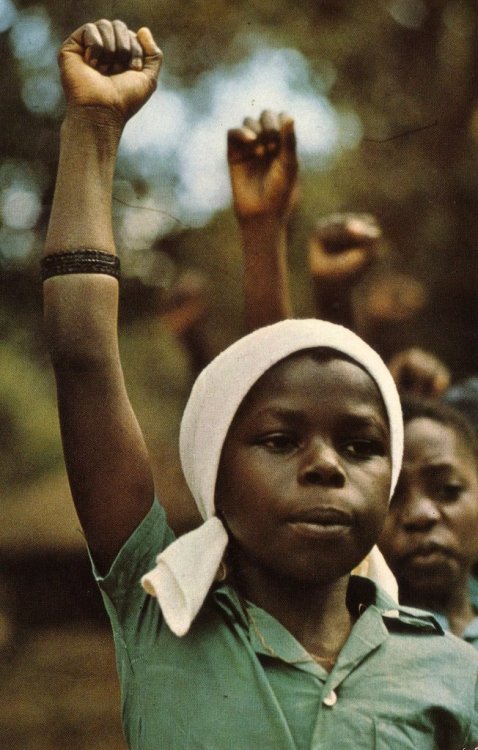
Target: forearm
[
  {"x": 81, "y": 310},
  {"x": 265, "y": 280},
  {"x": 81, "y": 210}
]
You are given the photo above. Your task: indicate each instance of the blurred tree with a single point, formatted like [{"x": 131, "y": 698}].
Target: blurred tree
[{"x": 406, "y": 68}]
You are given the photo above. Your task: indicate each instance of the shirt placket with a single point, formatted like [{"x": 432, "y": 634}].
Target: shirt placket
[{"x": 367, "y": 635}]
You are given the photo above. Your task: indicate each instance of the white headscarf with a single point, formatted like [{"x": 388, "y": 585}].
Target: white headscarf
[{"x": 186, "y": 569}]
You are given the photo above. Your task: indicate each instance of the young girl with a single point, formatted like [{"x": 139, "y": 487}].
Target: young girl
[
  {"x": 430, "y": 537},
  {"x": 256, "y": 635}
]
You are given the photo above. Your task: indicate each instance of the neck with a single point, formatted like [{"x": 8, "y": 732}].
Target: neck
[
  {"x": 453, "y": 602},
  {"x": 315, "y": 614}
]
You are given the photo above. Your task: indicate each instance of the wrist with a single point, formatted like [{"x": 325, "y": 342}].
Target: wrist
[
  {"x": 271, "y": 221},
  {"x": 263, "y": 230},
  {"x": 99, "y": 125}
]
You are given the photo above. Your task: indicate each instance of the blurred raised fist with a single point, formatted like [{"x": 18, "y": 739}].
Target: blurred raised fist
[
  {"x": 393, "y": 297},
  {"x": 263, "y": 166},
  {"x": 343, "y": 246}
]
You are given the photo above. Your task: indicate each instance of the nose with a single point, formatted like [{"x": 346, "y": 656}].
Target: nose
[
  {"x": 321, "y": 466},
  {"x": 419, "y": 514}
]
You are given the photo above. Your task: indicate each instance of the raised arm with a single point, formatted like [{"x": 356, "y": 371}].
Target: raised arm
[
  {"x": 341, "y": 249},
  {"x": 108, "y": 73},
  {"x": 263, "y": 170}
]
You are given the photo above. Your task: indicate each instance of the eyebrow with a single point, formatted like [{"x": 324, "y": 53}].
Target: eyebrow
[
  {"x": 441, "y": 466},
  {"x": 347, "y": 420},
  {"x": 365, "y": 420},
  {"x": 280, "y": 412}
]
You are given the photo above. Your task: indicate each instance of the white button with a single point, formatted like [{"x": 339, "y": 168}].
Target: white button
[{"x": 331, "y": 699}]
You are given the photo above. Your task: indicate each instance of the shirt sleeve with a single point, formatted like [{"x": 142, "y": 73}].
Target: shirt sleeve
[
  {"x": 129, "y": 607},
  {"x": 471, "y": 740}
]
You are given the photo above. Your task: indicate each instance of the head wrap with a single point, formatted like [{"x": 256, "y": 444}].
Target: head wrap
[{"x": 186, "y": 569}]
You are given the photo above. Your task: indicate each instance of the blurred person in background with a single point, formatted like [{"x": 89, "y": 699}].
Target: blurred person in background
[
  {"x": 463, "y": 396},
  {"x": 430, "y": 537}
]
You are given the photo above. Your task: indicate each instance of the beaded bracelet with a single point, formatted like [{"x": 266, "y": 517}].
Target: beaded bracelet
[{"x": 79, "y": 261}]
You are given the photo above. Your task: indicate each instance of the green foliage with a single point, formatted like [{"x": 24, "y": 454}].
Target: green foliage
[
  {"x": 158, "y": 373},
  {"x": 29, "y": 434}
]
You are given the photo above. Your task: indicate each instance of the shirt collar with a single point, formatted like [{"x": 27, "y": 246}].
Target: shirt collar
[
  {"x": 471, "y": 630},
  {"x": 269, "y": 638}
]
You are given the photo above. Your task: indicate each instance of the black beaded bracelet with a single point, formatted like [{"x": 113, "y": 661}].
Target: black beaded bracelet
[{"x": 79, "y": 261}]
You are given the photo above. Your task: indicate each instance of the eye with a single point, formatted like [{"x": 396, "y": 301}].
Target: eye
[
  {"x": 364, "y": 448},
  {"x": 279, "y": 442},
  {"x": 450, "y": 491}
]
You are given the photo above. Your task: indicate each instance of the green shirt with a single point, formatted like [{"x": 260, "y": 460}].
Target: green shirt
[{"x": 240, "y": 681}]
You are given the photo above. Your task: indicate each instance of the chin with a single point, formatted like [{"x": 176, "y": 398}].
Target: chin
[
  {"x": 434, "y": 586},
  {"x": 320, "y": 574}
]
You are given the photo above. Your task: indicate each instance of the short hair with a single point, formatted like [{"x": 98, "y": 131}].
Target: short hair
[
  {"x": 464, "y": 397},
  {"x": 416, "y": 407}
]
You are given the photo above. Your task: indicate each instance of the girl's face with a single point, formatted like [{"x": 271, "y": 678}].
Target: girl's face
[
  {"x": 305, "y": 472},
  {"x": 430, "y": 537}
]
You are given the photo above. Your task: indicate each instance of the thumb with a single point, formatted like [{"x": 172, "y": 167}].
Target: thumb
[
  {"x": 72, "y": 48},
  {"x": 153, "y": 57}
]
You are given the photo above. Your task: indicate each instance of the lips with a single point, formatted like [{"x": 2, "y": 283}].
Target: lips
[
  {"x": 429, "y": 554},
  {"x": 320, "y": 522},
  {"x": 323, "y": 516}
]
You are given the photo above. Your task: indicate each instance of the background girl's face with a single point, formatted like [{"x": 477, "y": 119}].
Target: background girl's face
[
  {"x": 304, "y": 478},
  {"x": 430, "y": 537}
]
